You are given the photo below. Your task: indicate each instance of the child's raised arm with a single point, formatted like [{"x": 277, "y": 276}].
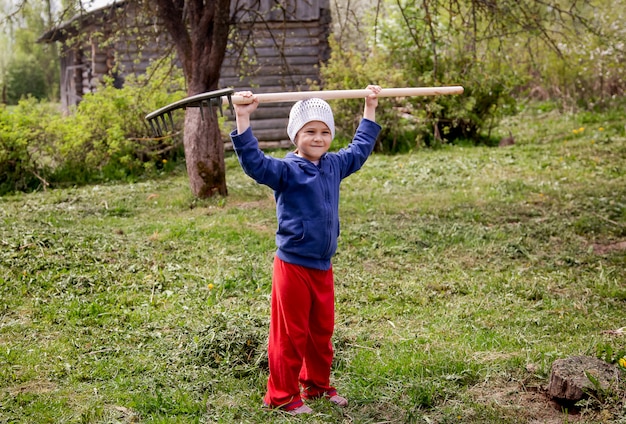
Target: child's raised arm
[
  {"x": 371, "y": 102},
  {"x": 243, "y": 111}
]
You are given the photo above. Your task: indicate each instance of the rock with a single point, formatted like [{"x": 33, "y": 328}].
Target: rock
[
  {"x": 507, "y": 141},
  {"x": 569, "y": 381}
]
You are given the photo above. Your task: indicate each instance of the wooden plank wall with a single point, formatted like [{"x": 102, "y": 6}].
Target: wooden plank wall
[{"x": 286, "y": 58}]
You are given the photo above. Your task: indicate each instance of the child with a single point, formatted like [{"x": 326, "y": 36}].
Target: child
[{"x": 306, "y": 188}]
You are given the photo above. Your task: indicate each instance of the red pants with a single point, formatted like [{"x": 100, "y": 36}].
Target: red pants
[{"x": 301, "y": 326}]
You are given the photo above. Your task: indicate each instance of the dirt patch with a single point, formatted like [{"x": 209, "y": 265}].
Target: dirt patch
[
  {"x": 34, "y": 387},
  {"x": 603, "y": 249},
  {"x": 256, "y": 204},
  {"x": 529, "y": 404}
]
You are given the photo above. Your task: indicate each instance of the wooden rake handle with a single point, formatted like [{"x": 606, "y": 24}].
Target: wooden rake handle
[
  {"x": 346, "y": 94},
  {"x": 226, "y": 97}
]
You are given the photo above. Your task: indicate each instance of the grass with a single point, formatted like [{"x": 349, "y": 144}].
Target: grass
[{"x": 462, "y": 274}]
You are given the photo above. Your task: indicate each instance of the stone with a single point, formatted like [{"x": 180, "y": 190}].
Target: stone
[{"x": 569, "y": 381}]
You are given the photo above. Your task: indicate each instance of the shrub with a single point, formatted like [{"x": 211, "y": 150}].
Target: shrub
[
  {"x": 573, "y": 56},
  {"x": 105, "y": 138},
  {"x": 397, "y": 55},
  {"x": 23, "y": 145}
]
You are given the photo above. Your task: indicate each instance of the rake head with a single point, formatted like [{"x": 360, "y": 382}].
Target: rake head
[{"x": 209, "y": 100}]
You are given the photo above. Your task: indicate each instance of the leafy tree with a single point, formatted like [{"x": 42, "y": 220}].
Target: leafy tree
[
  {"x": 498, "y": 50},
  {"x": 28, "y": 68},
  {"x": 199, "y": 29},
  {"x": 24, "y": 78}
]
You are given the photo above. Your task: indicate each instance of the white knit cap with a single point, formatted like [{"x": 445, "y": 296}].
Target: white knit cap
[{"x": 305, "y": 111}]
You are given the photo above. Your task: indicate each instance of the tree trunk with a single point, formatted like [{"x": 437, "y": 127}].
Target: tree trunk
[
  {"x": 199, "y": 29},
  {"x": 570, "y": 378},
  {"x": 204, "y": 153}
]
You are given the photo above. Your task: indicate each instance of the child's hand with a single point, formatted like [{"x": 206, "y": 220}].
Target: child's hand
[
  {"x": 372, "y": 99},
  {"x": 246, "y": 109},
  {"x": 243, "y": 111},
  {"x": 371, "y": 102}
]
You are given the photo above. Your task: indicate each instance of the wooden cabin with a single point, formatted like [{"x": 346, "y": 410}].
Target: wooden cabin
[{"x": 285, "y": 48}]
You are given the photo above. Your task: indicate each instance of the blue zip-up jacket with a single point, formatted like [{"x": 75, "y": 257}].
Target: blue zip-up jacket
[{"x": 307, "y": 195}]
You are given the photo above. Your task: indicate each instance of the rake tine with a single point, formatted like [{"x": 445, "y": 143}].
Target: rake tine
[
  {"x": 202, "y": 110},
  {"x": 154, "y": 129},
  {"x": 218, "y": 104},
  {"x": 230, "y": 104},
  {"x": 210, "y": 106},
  {"x": 169, "y": 114},
  {"x": 158, "y": 125},
  {"x": 164, "y": 122}
]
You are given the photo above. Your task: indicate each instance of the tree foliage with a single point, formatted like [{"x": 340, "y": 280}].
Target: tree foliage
[
  {"x": 500, "y": 51},
  {"x": 24, "y": 78},
  {"x": 28, "y": 68}
]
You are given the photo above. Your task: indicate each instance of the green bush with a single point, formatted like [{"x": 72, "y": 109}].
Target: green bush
[
  {"x": 105, "y": 138},
  {"x": 24, "y": 147},
  {"x": 573, "y": 58},
  {"x": 391, "y": 57}
]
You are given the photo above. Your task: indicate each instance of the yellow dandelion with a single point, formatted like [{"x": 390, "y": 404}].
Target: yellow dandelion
[
  {"x": 622, "y": 362},
  {"x": 581, "y": 129},
  {"x": 164, "y": 160},
  {"x": 593, "y": 141},
  {"x": 600, "y": 129},
  {"x": 210, "y": 286}
]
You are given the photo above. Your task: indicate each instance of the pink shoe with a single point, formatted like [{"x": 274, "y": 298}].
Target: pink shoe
[
  {"x": 339, "y": 401},
  {"x": 302, "y": 409}
]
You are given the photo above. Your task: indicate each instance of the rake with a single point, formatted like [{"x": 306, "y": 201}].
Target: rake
[{"x": 218, "y": 98}]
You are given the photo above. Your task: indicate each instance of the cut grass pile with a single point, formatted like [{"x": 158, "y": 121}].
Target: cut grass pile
[{"x": 461, "y": 275}]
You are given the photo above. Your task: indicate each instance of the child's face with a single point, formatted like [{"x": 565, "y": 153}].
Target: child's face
[{"x": 313, "y": 140}]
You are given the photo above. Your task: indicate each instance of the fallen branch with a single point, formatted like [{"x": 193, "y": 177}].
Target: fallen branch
[
  {"x": 43, "y": 181},
  {"x": 163, "y": 137},
  {"x": 610, "y": 221}
]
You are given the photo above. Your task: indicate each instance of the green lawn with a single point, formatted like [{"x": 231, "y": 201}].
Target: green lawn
[{"x": 462, "y": 274}]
